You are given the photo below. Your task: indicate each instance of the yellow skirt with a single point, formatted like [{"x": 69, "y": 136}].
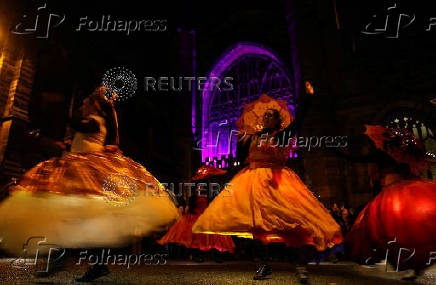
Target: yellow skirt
[
  {"x": 273, "y": 205},
  {"x": 84, "y": 200}
]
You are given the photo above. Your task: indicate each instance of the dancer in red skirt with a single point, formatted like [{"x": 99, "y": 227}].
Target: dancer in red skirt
[
  {"x": 181, "y": 232},
  {"x": 399, "y": 223}
]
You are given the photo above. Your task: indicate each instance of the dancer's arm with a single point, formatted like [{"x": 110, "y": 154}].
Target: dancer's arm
[
  {"x": 300, "y": 115},
  {"x": 295, "y": 125}
]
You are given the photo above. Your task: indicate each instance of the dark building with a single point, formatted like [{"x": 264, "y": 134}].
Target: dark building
[{"x": 365, "y": 69}]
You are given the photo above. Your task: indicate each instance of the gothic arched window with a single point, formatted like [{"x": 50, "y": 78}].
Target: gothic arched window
[{"x": 254, "y": 70}]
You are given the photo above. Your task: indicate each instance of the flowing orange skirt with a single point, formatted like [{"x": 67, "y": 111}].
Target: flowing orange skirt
[
  {"x": 181, "y": 233},
  {"x": 273, "y": 205}
]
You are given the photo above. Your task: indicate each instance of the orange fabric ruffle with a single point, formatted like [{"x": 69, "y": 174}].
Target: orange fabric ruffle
[
  {"x": 86, "y": 173},
  {"x": 273, "y": 205}
]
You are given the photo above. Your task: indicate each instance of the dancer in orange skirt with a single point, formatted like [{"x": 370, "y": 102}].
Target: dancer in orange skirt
[
  {"x": 266, "y": 200},
  {"x": 89, "y": 197},
  {"x": 400, "y": 222},
  {"x": 181, "y": 232}
]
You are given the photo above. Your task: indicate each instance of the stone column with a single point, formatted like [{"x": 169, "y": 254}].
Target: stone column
[{"x": 16, "y": 78}]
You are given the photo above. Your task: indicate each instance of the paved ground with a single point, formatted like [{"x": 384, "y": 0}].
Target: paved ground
[{"x": 212, "y": 273}]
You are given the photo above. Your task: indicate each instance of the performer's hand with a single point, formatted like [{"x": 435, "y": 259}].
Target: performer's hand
[{"x": 309, "y": 88}]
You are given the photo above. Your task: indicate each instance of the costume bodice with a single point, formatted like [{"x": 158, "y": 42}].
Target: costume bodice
[
  {"x": 200, "y": 205},
  {"x": 90, "y": 142},
  {"x": 266, "y": 151}
]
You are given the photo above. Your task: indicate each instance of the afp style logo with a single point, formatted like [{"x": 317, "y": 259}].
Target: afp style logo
[
  {"x": 38, "y": 244},
  {"x": 40, "y": 24},
  {"x": 389, "y": 23},
  {"x": 393, "y": 20}
]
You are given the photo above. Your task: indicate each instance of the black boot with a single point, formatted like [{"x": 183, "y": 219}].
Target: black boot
[
  {"x": 264, "y": 268},
  {"x": 217, "y": 256},
  {"x": 262, "y": 271},
  {"x": 197, "y": 256},
  {"x": 93, "y": 273}
]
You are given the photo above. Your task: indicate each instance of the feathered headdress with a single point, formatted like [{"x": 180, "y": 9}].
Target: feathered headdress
[{"x": 400, "y": 144}]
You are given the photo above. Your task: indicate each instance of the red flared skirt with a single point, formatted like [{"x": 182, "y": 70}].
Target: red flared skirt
[
  {"x": 181, "y": 233},
  {"x": 399, "y": 223}
]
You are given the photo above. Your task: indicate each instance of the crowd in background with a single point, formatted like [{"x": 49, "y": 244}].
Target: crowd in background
[{"x": 344, "y": 216}]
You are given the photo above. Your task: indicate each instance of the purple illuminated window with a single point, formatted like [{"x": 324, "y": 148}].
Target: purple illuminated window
[{"x": 255, "y": 70}]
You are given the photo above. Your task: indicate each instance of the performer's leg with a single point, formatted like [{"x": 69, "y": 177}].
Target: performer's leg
[
  {"x": 264, "y": 269},
  {"x": 197, "y": 255},
  {"x": 217, "y": 256},
  {"x": 304, "y": 255}
]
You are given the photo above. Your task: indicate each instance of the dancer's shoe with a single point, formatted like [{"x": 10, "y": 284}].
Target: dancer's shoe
[
  {"x": 262, "y": 271},
  {"x": 302, "y": 274},
  {"x": 93, "y": 273}
]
